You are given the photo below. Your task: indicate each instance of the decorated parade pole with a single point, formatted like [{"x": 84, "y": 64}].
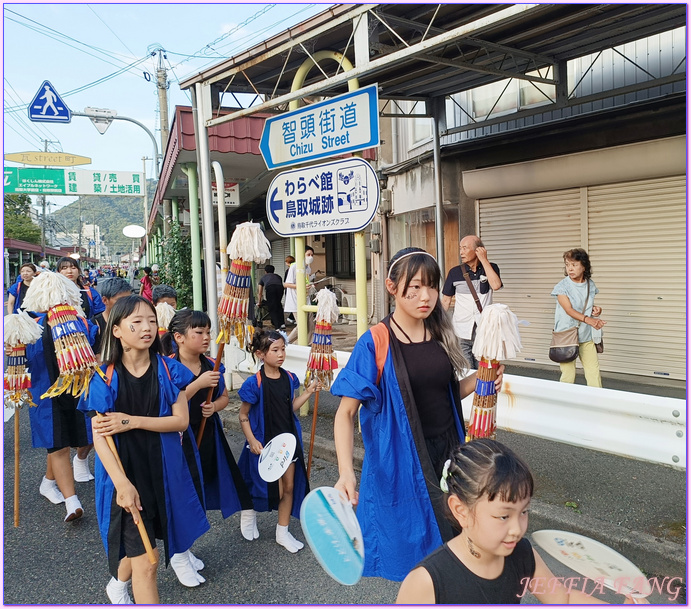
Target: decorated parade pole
[
  {"x": 322, "y": 359},
  {"x": 247, "y": 245},
  {"x": 497, "y": 339},
  {"x": 20, "y": 330}
]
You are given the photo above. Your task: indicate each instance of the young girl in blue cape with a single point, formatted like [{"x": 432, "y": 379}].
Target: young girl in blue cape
[
  {"x": 487, "y": 491},
  {"x": 411, "y": 419},
  {"x": 145, "y": 409},
  {"x": 224, "y": 488},
  {"x": 268, "y": 409}
]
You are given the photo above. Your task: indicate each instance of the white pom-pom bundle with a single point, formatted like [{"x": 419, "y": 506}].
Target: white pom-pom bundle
[
  {"x": 497, "y": 335},
  {"x": 21, "y": 329},
  {"x": 48, "y": 290},
  {"x": 327, "y": 306},
  {"x": 164, "y": 313},
  {"x": 249, "y": 243}
]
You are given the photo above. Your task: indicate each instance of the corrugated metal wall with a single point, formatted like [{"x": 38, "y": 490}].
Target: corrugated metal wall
[{"x": 635, "y": 235}]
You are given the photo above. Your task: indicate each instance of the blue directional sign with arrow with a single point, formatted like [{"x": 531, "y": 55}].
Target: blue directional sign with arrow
[
  {"x": 47, "y": 106},
  {"x": 337, "y": 197}
]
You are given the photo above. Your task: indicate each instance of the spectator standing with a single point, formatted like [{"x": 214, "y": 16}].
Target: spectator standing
[
  {"x": 571, "y": 294},
  {"x": 271, "y": 286},
  {"x": 291, "y": 305},
  {"x": 17, "y": 291},
  {"x": 289, "y": 261},
  {"x": 472, "y": 282}
]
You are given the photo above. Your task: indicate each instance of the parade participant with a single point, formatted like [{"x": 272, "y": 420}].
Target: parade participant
[
  {"x": 472, "y": 283},
  {"x": 55, "y": 423},
  {"x": 145, "y": 409},
  {"x": 575, "y": 296},
  {"x": 267, "y": 410},
  {"x": 17, "y": 291},
  {"x": 487, "y": 491},
  {"x": 112, "y": 290},
  {"x": 146, "y": 284},
  {"x": 92, "y": 304},
  {"x": 410, "y": 422},
  {"x": 224, "y": 488},
  {"x": 164, "y": 293}
]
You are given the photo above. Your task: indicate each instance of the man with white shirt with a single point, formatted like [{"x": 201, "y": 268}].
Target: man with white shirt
[{"x": 483, "y": 275}]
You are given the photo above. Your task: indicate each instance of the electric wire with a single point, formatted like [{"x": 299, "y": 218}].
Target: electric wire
[
  {"x": 111, "y": 30},
  {"x": 16, "y": 98}
]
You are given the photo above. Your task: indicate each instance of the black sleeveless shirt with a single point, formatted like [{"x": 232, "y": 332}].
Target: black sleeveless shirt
[{"x": 455, "y": 584}]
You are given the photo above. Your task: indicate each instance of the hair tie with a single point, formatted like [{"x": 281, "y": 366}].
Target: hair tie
[
  {"x": 444, "y": 475},
  {"x": 405, "y": 256}
]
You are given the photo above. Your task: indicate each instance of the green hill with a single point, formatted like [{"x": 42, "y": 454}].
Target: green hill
[{"x": 110, "y": 213}]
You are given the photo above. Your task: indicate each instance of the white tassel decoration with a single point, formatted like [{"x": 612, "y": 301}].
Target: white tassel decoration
[
  {"x": 327, "y": 306},
  {"x": 21, "y": 329},
  {"x": 48, "y": 290},
  {"x": 497, "y": 335},
  {"x": 249, "y": 243},
  {"x": 164, "y": 313}
]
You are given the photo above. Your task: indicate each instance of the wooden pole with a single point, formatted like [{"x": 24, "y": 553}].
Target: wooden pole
[
  {"x": 314, "y": 430},
  {"x": 16, "y": 467},
  {"x": 210, "y": 394},
  {"x": 140, "y": 523}
]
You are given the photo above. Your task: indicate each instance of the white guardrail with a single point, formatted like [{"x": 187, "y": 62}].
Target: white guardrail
[{"x": 634, "y": 425}]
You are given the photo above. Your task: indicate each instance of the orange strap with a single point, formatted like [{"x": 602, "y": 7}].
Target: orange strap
[
  {"x": 259, "y": 377},
  {"x": 111, "y": 367},
  {"x": 380, "y": 336}
]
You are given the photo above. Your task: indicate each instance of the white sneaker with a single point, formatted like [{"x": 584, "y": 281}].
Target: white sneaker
[
  {"x": 49, "y": 489},
  {"x": 82, "y": 473},
  {"x": 197, "y": 564},
  {"x": 285, "y": 539},
  {"x": 184, "y": 571},
  {"x": 248, "y": 524},
  {"x": 74, "y": 508},
  {"x": 117, "y": 592}
]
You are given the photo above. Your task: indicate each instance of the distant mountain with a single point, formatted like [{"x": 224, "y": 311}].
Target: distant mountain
[{"x": 111, "y": 213}]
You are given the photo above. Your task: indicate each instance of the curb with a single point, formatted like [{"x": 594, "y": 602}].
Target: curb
[{"x": 654, "y": 556}]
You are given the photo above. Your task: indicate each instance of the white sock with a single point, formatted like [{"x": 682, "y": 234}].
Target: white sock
[
  {"x": 285, "y": 539},
  {"x": 248, "y": 524}
]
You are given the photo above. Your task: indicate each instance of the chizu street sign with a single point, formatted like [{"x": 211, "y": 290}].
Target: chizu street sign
[
  {"x": 337, "y": 197},
  {"x": 342, "y": 124}
]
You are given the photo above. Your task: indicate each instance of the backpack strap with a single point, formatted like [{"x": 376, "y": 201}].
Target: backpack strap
[
  {"x": 380, "y": 336},
  {"x": 109, "y": 374},
  {"x": 163, "y": 359},
  {"x": 259, "y": 379}
]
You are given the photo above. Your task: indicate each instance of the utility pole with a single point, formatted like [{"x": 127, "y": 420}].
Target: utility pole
[
  {"x": 146, "y": 211},
  {"x": 43, "y": 205},
  {"x": 162, "y": 85}
]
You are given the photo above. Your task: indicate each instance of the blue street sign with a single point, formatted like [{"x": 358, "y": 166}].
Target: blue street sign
[
  {"x": 47, "y": 106},
  {"x": 336, "y": 197},
  {"x": 342, "y": 124}
]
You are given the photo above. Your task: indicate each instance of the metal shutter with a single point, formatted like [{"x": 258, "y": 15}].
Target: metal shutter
[
  {"x": 635, "y": 235},
  {"x": 637, "y": 241},
  {"x": 526, "y": 236}
]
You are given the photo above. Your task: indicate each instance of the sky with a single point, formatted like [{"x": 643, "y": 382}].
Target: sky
[{"x": 99, "y": 55}]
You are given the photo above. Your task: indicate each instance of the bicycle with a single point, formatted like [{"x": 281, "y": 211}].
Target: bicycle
[{"x": 340, "y": 295}]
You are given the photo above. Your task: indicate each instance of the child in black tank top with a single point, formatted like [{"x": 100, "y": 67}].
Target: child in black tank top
[{"x": 488, "y": 489}]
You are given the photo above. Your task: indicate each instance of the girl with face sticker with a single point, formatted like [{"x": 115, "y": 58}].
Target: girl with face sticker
[
  {"x": 267, "y": 410},
  {"x": 411, "y": 419},
  {"x": 144, "y": 408}
]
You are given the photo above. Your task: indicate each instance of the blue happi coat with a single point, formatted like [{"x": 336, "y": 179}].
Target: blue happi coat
[
  {"x": 252, "y": 393},
  {"x": 41, "y": 417},
  {"x": 186, "y": 518},
  {"x": 395, "y": 510}
]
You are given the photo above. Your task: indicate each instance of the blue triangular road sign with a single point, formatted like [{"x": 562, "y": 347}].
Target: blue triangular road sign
[{"x": 47, "y": 106}]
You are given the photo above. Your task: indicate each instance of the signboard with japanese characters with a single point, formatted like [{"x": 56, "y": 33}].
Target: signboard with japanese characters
[
  {"x": 337, "y": 197},
  {"x": 342, "y": 124},
  {"x": 231, "y": 196},
  {"x": 72, "y": 182}
]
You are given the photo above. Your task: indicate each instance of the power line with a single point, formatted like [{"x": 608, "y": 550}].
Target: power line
[
  {"x": 104, "y": 23},
  {"x": 17, "y": 99}
]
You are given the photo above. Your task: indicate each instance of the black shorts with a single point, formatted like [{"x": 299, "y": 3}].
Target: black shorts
[
  {"x": 131, "y": 540},
  {"x": 69, "y": 424}
]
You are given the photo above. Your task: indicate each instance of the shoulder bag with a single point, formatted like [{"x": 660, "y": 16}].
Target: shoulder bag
[{"x": 564, "y": 345}]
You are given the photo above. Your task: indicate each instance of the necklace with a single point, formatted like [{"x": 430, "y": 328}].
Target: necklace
[{"x": 410, "y": 340}]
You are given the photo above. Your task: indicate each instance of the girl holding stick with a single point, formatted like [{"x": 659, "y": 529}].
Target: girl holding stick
[
  {"x": 224, "y": 488},
  {"x": 410, "y": 422},
  {"x": 144, "y": 408}
]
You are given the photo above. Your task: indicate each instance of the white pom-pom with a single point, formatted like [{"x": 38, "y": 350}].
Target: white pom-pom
[
  {"x": 20, "y": 328},
  {"x": 497, "y": 335},
  {"x": 49, "y": 290},
  {"x": 249, "y": 243},
  {"x": 164, "y": 313},
  {"x": 327, "y": 306}
]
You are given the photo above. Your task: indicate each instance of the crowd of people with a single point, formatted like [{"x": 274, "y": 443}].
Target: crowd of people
[{"x": 446, "y": 517}]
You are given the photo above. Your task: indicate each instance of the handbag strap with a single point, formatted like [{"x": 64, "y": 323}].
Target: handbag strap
[{"x": 471, "y": 287}]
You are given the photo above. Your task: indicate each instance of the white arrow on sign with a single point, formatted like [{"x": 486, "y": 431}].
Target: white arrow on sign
[{"x": 337, "y": 197}]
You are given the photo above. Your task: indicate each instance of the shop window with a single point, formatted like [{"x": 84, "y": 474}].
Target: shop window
[{"x": 340, "y": 255}]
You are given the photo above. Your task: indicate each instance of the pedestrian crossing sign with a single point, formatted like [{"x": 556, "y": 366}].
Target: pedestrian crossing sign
[{"x": 48, "y": 107}]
